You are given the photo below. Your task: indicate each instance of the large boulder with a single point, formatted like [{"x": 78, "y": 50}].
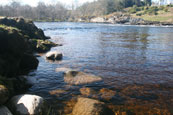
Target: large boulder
[
  {"x": 26, "y": 26},
  {"x": 28, "y": 62},
  {"x": 74, "y": 77},
  {"x": 5, "y": 111},
  {"x": 54, "y": 55},
  {"x": 86, "y": 106},
  {"x": 27, "y": 104},
  {"x": 4, "y": 94},
  {"x": 14, "y": 48}
]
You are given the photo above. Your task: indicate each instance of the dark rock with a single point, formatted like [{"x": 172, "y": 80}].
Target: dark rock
[
  {"x": 14, "y": 48},
  {"x": 4, "y": 94},
  {"x": 5, "y": 111},
  {"x": 14, "y": 85},
  {"x": 28, "y": 62}
]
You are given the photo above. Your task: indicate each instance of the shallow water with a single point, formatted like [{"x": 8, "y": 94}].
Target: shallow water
[{"x": 134, "y": 61}]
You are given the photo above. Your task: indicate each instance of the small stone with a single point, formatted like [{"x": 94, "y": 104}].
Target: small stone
[{"x": 54, "y": 55}]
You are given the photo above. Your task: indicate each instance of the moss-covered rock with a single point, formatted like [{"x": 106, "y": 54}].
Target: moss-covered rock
[
  {"x": 19, "y": 39},
  {"x": 41, "y": 45},
  {"x": 26, "y": 26},
  {"x": 14, "y": 50}
]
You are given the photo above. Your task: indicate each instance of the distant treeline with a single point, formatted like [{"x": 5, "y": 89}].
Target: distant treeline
[
  {"x": 42, "y": 12},
  {"x": 59, "y": 12}
]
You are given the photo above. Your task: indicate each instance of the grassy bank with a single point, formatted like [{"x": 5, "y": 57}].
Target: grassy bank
[{"x": 152, "y": 13}]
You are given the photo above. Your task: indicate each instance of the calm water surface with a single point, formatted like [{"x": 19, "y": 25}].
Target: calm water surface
[{"x": 134, "y": 61}]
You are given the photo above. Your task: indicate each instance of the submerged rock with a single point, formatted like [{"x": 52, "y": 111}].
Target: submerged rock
[
  {"x": 54, "y": 55},
  {"x": 74, "y": 77},
  {"x": 27, "y": 104},
  {"x": 86, "y": 106},
  {"x": 5, "y": 111},
  {"x": 78, "y": 78},
  {"x": 87, "y": 92},
  {"x": 107, "y": 94},
  {"x": 57, "y": 92},
  {"x": 4, "y": 94},
  {"x": 103, "y": 94}
]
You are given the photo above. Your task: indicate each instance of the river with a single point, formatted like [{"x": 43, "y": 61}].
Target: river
[{"x": 135, "y": 62}]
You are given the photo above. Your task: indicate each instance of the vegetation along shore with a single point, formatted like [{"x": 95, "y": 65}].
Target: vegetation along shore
[{"x": 20, "y": 39}]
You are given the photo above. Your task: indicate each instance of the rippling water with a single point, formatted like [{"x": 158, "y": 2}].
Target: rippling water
[{"x": 134, "y": 61}]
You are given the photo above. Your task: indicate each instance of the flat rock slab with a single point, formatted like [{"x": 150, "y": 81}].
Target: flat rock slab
[
  {"x": 74, "y": 77},
  {"x": 86, "y": 106},
  {"x": 5, "y": 111}
]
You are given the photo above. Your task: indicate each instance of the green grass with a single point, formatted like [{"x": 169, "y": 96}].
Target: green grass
[
  {"x": 153, "y": 13},
  {"x": 156, "y": 18}
]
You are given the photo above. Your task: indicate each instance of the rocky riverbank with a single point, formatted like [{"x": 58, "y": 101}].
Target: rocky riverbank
[
  {"x": 123, "y": 18},
  {"x": 19, "y": 40}
]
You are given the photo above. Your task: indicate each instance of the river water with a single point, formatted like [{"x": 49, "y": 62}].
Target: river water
[{"x": 135, "y": 62}]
